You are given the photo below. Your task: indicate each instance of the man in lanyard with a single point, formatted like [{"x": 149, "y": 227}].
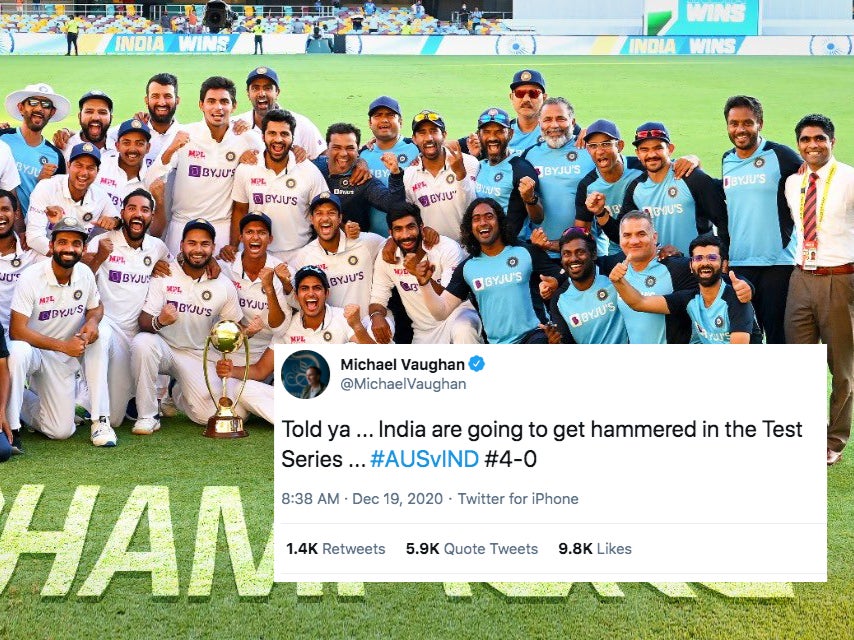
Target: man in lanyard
[{"x": 820, "y": 305}]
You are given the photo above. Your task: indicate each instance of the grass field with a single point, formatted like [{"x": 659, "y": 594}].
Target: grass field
[{"x": 686, "y": 94}]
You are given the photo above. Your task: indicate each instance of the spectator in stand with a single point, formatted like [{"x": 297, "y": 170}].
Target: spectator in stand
[
  {"x": 193, "y": 21},
  {"x": 370, "y": 8},
  {"x": 476, "y": 17}
]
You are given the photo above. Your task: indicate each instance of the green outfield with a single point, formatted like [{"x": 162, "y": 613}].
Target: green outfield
[{"x": 688, "y": 96}]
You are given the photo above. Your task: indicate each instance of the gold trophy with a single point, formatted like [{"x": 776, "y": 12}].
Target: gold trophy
[{"x": 226, "y": 337}]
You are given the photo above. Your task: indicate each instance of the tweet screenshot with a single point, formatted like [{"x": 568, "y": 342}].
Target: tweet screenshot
[{"x": 631, "y": 463}]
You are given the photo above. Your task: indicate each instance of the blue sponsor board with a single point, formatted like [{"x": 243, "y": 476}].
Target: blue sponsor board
[
  {"x": 681, "y": 46},
  {"x": 702, "y": 17},
  {"x": 126, "y": 43}
]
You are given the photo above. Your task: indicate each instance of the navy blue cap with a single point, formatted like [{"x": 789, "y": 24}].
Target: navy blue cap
[
  {"x": 95, "y": 93},
  {"x": 134, "y": 125},
  {"x": 85, "y": 149},
  {"x": 199, "y": 223},
  {"x": 651, "y": 131},
  {"x": 262, "y": 72},
  {"x": 311, "y": 270},
  {"x": 256, "y": 216},
  {"x": 603, "y": 126},
  {"x": 496, "y": 115},
  {"x": 528, "y": 76},
  {"x": 387, "y": 102},
  {"x": 325, "y": 197}
]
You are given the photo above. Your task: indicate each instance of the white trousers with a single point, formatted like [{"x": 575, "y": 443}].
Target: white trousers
[
  {"x": 463, "y": 326},
  {"x": 51, "y": 375},
  {"x": 150, "y": 356}
]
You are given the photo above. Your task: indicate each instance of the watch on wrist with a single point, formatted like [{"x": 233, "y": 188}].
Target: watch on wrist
[{"x": 533, "y": 200}]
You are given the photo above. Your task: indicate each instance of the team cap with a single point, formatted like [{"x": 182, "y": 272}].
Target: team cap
[
  {"x": 311, "y": 270},
  {"x": 603, "y": 126},
  {"x": 387, "y": 102},
  {"x": 263, "y": 72},
  {"x": 651, "y": 131},
  {"x": 95, "y": 94},
  {"x": 135, "y": 124},
  {"x": 85, "y": 149},
  {"x": 528, "y": 76},
  {"x": 257, "y": 216},
  {"x": 71, "y": 224},
  {"x": 199, "y": 223}
]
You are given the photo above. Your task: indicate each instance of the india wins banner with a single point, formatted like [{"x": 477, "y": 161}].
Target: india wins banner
[{"x": 701, "y": 17}]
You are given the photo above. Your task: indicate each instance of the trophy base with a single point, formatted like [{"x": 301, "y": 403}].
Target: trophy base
[{"x": 225, "y": 427}]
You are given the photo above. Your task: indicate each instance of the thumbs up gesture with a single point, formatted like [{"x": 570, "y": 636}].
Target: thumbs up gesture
[{"x": 619, "y": 271}]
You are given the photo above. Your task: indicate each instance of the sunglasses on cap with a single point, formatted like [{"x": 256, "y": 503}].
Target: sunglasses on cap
[
  {"x": 651, "y": 133},
  {"x": 531, "y": 93},
  {"x": 500, "y": 118},
  {"x": 35, "y": 102},
  {"x": 709, "y": 257},
  {"x": 427, "y": 115}
]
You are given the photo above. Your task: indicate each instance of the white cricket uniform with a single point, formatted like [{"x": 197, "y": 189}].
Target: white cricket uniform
[
  {"x": 253, "y": 301},
  {"x": 204, "y": 177},
  {"x": 123, "y": 280},
  {"x": 159, "y": 141},
  {"x": 108, "y": 151},
  {"x": 113, "y": 179},
  {"x": 333, "y": 330},
  {"x": 306, "y": 134},
  {"x": 11, "y": 267},
  {"x": 350, "y": 270},
  {"x": 9, "y": 177},
  {"x": 178, "y": 348},
  {"x": 463, "y": 326},
  {"x": 57, "y": 311},
  {"x": 54, "y": 191},
  {"x": 442, "y": 198},
  {"x": 284, "y": 197}
]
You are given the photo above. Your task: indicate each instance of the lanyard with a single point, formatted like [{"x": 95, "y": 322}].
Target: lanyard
[{"x": 823, "y": 196}]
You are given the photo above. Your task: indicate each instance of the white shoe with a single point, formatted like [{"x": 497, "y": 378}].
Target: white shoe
[
  {"x": 103, "y": 434},
  {"x": 168, "y": 408},
  {"x": 145, "y": 426}
]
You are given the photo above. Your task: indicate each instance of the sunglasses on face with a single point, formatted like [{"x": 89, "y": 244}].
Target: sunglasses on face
[
  {"x": 593, "y": 146},
  {"x": 500, "y": 118},
  {"x": 651, "y": 133},
  {"x": 531, "y": 93},
  {"x": 35, "y": 102},
  {"x": 711, "y": 257}
]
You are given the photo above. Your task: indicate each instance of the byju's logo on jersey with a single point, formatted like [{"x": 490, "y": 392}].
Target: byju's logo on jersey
[
  {"x": 258, "y": 198},
  {"x": 479, "y": 284},
  {"x": 408, "y": 287},
  {"x": 194, "y": 171}
]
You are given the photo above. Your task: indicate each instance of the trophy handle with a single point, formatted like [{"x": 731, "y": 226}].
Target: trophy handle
[
  {"x": 205, "y": 367},
  {"x": 224, "y": 380},
  {"x": 245, "y": 372}
]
